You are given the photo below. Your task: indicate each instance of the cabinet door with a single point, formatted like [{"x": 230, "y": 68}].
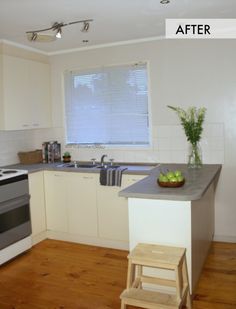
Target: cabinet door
[
  {"x": 26, "y": 94},
  {"x": 39, "y": 83},
  {"x": 113, "y": 210},
  {"x": 82, "y": 208},
  {"x": 37, "y": 203},
  {"x": 16, "y": 95},
  {"x": 56, "y": 201},
  {"x": 129, "y": 180},
  {"x": 112, "y": 214}
]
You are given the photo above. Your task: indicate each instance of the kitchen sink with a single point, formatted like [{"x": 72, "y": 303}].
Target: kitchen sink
[
  {"x": 107, "y": 166},
  {"x": 86, "y": 165},
  {"x": 99, "y": 166},
  {"x": 81, "y": 165},
  {"x": 72, "y": 165}
]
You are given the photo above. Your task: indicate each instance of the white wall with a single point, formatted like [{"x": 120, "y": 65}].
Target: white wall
[{"x": 182, "y": 73}]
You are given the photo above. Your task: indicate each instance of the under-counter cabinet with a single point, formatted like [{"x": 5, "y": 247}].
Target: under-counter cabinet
[
  {"x": 81, "y": 203},
  {"x": 37, "y": 206},
  {"x": 113, "y": 210},
  {"x": 56, "y": 201},
  {"x": 71, "y": 203},
  {"x": 26, "y": 99},
  {"x": 79, "y": 209}
]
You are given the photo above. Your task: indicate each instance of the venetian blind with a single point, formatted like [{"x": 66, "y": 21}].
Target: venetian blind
[{"x": 108, "y": 106}]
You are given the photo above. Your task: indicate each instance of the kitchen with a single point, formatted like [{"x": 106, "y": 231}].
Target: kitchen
[{"x": 181, "y": 73}]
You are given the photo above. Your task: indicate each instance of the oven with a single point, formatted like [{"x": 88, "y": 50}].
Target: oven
[{"x": 15, "y": 224}]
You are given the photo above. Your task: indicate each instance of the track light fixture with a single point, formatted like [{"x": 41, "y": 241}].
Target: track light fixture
[
  {"x": 85, "y": 27},
  {"x": 55, "y": 31}
]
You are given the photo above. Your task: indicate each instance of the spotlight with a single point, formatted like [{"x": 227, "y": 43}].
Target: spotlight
[
  {"x": 58, "y": 35},
  {"x": 34, "y": 36},
  {"x": 85, "y": 27}
]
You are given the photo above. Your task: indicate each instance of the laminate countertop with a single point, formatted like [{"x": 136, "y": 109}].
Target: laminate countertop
[
  {"x": 129, "y": 168},
  {"x": 197, "y": 181},
  {"x": 196, "y": 184}
]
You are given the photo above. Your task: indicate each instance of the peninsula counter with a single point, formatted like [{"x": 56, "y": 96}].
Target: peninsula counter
[{"x": 182, "y": 217}]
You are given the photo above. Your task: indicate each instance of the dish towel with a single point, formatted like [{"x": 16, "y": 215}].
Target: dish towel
[{"x": 111, "y": 176}]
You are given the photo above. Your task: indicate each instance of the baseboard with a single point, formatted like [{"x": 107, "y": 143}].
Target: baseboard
[
  {"x": 94, "y": 241},
  {"x": 224, "y": 238},
  {"x": 39, "y": 237}
]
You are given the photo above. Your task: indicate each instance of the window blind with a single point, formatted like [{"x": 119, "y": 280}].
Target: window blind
[{"x": 107, "y": 106}]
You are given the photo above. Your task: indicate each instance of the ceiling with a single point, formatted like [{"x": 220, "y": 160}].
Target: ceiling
[{"x": 114, "y": 20}]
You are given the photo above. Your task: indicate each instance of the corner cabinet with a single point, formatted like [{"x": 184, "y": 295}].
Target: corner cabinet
[
  {"x": 26, "y": 95},
  {"x": 113, "y": 210}
]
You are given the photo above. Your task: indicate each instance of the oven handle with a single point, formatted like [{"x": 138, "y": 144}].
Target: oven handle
[{"x": 14, "y": 203}]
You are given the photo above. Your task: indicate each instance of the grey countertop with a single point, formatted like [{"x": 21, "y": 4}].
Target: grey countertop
[
  {"x": 197, "y": 181},
  {"x": 136, "y": 169},
  {"x": 196, "y": 184}
]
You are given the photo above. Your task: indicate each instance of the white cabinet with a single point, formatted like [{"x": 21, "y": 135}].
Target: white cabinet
[
  {"x": 37, "y": 206},
  {"x": 26, "y": 99},
  {"x": 129, "y": 180},
  {"x": 56, "y": 201},
  {"x": 79, "y": 209},
  {"x": 71, "y": 202},
  {"x": 113, "y": 210},
  {"x": 82, "y": 208}
]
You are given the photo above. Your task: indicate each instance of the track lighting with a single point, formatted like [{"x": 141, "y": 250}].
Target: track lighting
[
  {"x": 55, "y": 31},
  {"x": 85, "y": 27},
  {"x": 165, "y": 1}
]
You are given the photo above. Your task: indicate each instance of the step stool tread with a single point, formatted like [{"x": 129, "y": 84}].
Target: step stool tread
[
  {"x": 149, "y": 253},
  {"x": 150, "y": 297}
]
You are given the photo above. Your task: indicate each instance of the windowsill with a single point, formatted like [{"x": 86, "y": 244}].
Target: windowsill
[{"x": 115, "y": 147}]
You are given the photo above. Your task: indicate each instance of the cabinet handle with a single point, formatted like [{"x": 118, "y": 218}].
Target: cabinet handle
[
  {"x": 35, "y": 124},
  {"x": 56, "y": 175},
  {"x": 87, "y": 177},
  {"x": 25, "y": 125}
]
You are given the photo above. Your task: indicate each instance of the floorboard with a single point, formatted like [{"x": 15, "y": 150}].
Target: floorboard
[{"x": 63, "y": 275}]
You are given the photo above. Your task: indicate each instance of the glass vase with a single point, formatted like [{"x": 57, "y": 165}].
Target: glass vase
[{"x": 195, "y": 156}]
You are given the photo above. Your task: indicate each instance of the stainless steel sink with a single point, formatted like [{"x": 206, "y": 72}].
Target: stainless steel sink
[
  {"x": 108, "y": 166},
  {"x": 73, "y": 165},
  {"x": 99, "y": 166},
  {"x": 86, "y": 166},
  {"x": 83, "y": 165}
]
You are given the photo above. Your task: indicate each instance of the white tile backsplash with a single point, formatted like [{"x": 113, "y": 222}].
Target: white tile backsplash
[
  {"x": 163, "y": 131},
  {"x": 169, "y": 145},
  {"x": 177, "y": 131},
  {"x": 13, "y": 142},
  {"x": 213, "y": 130},
  {"x": 164, "y": 156}
]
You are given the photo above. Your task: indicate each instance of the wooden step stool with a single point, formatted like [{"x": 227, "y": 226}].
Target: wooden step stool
[{"x": 159, "y": 257}]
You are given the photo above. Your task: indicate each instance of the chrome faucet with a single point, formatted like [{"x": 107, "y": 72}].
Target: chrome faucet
[{"x": 102, "y": 159}]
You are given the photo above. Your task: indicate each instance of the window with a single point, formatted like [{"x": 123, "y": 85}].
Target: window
[{"x": 107, "y": 106}]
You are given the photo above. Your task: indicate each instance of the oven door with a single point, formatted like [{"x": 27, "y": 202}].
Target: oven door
[{"x": 14, "y": 220}]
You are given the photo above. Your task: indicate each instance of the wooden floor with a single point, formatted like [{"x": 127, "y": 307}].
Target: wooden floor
[{"x": 61, "y": 275}]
